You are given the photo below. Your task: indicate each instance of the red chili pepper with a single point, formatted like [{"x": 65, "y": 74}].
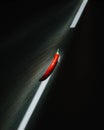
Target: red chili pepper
[{"x": 51, "y": 66}]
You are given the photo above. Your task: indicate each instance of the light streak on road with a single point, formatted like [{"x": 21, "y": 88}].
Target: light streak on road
[
  {"x": 78, "y": 15},
  {"x": 52, "y": 66},
  {"x": 33, "y": 105}
]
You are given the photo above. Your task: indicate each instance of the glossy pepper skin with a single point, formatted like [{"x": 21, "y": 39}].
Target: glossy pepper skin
[{"x": 51, "y": 66}]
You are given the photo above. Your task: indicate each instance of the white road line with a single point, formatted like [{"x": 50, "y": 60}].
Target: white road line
[
  {"x": 33, "y": 105},
  {"x": 78, "y": 15}
]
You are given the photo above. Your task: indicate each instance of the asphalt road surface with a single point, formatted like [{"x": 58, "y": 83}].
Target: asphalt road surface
[{"x": 30, "y": 36}]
